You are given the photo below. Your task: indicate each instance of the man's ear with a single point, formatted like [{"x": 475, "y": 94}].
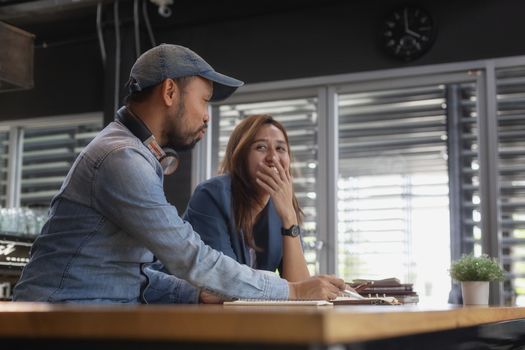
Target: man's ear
[{"x": 170, "y": 92}]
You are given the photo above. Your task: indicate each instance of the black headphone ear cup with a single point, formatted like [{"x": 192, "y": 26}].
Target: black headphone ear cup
[
  {"x": 170, "y": 152},
  {"x": 170, "y": 161}
]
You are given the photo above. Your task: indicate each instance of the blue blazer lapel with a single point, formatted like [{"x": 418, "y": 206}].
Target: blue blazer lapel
[
  {"x": 242, "y": 250},
  {"x": 238, "y": 245},
  {"x": 267, "y": 232},
  {"x": 236, "y": 238}
]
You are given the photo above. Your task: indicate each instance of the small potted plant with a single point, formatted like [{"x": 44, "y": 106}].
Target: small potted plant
[{"x": 475, "y": 273}]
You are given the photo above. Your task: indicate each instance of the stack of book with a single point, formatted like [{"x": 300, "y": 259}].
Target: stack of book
[{"x": 388, "y": 287}]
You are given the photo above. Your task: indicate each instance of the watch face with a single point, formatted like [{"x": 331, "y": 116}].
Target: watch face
[
  {"x": 408, "y": 33},
  {"x": 293, "y": 231}
]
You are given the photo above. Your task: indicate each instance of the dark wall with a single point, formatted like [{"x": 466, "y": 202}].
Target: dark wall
[
  {"x": 333, "y": 37},
  {"x": 274, "y": 40},
  {"x": 68, "y": 80},
  {"x": 255, "y": 42}
]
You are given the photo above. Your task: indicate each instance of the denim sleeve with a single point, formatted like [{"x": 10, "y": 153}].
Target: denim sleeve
[
  {"x": 164, "y": 288},
  {"x": 128, "y": 191},
  {"x": 208, "y": 220}
]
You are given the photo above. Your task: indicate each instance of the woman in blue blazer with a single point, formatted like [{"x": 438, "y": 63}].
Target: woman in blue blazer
[{"x": 250, "y": 212}]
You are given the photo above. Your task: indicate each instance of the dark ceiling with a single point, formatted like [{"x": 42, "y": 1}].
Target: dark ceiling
[
  {"x": 12, "y": 2},
  {"x": 60, "y": 21}
]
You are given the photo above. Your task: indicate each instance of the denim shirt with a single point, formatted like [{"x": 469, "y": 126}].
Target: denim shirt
[{"x": 107, "y": 224}]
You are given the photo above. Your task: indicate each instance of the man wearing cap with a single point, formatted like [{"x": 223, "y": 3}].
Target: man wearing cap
[{"x": 110, "y": 218}]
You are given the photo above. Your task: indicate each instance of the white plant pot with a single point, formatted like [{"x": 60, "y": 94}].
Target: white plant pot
[{"x": 475, "y": 293}]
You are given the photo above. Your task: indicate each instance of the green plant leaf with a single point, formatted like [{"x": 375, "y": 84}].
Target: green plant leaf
[{"x": 476, "y": 268}]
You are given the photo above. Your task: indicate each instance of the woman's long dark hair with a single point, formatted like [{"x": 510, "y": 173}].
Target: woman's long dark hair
[{"x": 235, "y": 163}]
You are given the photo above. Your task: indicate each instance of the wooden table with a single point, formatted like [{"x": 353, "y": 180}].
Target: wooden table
[{"x": 26, "y": 325}]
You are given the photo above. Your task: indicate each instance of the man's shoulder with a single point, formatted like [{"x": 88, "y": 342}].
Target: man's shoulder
[{"x": 112, "y": 138}]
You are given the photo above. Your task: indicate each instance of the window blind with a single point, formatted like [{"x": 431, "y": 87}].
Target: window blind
[
  {"x": 464, "y": 167},
  {"x": 299, "y": 117},
  {"x": 49, "y": 153},
  {"x": 393, "y": 206},
  {"x": 511, "y": 170},
  {"x": 4, "y": 156}
]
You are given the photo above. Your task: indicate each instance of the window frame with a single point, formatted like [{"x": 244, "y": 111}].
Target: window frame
[
  {"x": 328, "y": 87},
  {"x": 15, "y": 128}
]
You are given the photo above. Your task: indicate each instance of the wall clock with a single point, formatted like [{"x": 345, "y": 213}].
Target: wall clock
[{"x": 408, "y": 32}]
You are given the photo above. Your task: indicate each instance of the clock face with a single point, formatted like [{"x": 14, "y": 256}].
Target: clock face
[{"x": 408, "y": 33}]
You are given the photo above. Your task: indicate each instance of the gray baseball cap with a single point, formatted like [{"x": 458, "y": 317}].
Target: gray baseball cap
[{"x": 168, "y": 61}]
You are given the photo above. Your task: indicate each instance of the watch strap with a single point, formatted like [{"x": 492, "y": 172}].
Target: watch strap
[{"x": 293, "y": 231}]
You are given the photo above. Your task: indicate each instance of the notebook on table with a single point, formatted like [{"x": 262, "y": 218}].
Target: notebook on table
[
  {"x": 258, "y": 302},
  {"x": 336, "y": 301},
  {"x": 350, "y": 297},
  {"x": 366, "y": 301}
]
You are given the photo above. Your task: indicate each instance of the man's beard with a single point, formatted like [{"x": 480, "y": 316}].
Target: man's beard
[
  {"x": 181, "y": 146},
  {"x": 176, "y": 140}
]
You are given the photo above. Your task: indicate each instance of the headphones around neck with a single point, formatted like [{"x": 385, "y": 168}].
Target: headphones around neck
[{"x": 167, "y": 157}]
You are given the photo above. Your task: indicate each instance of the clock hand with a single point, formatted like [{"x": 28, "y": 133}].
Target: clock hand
[
  {"x": 411, "y": 32},
  {"x": 405, "y": 18}
]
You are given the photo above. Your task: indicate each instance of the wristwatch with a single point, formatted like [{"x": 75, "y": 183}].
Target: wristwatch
[{"x": 293, "y": 231}]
